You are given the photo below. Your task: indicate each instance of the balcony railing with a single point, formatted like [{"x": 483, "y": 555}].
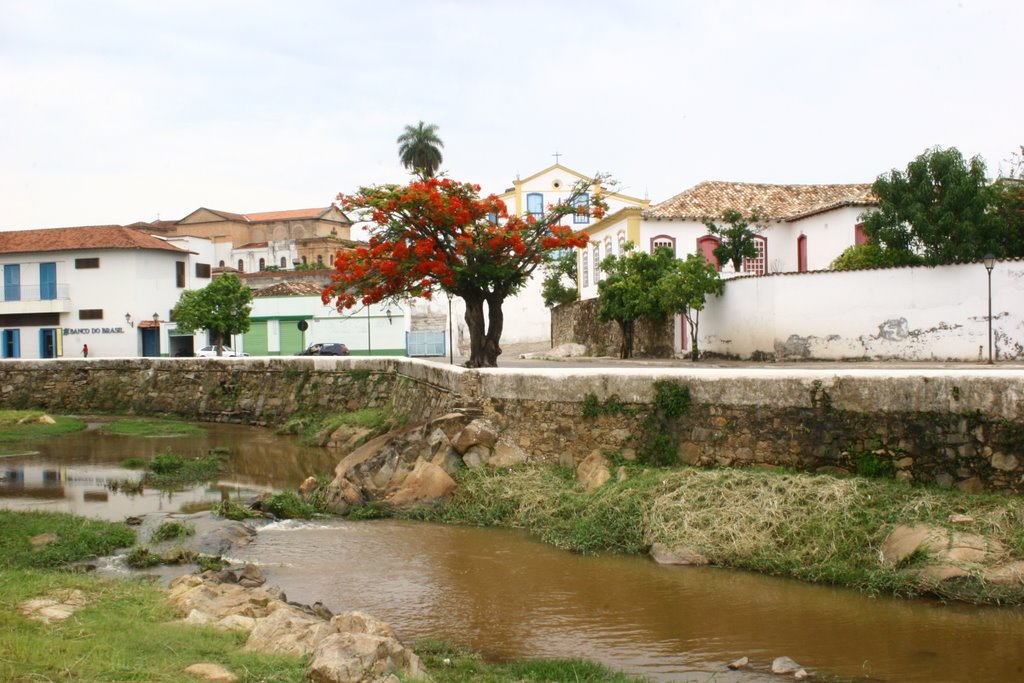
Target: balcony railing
[{"x": 40, "y": 292}]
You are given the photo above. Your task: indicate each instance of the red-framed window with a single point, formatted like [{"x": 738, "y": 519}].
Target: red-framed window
[{"x": 801, "y": 253}]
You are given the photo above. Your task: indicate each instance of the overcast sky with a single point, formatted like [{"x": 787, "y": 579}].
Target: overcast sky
[{"x": 112, "y": 112}]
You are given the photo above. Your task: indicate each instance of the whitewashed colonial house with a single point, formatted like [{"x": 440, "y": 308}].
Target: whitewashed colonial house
[
  {"x": 110, "y": 288},
  {"x": 803, "y": 227}
]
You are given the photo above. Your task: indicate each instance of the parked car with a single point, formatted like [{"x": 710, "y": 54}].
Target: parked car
[
  {"x": 325, "y": 349},
  {"x": 225, "y": 352}
]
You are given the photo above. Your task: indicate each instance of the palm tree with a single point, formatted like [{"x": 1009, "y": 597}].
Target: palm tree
[{"x": 419, "y": 149}]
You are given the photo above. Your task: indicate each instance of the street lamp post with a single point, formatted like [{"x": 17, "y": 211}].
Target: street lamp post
[
  {"x": 451, "y": 346},
  {"x": 990, "y": 261}
]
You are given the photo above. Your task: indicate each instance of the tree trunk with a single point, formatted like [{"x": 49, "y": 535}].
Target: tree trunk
[
  {"x": 693, "y": 323},
  {"x": 626, "y": 348},
  {"x": 484, "y": 342}
]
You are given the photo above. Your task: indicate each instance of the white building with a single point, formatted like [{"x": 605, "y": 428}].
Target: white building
[
  {"x": 289, "y": 316},
  {"x": 805, "y": 227},
  {"x": 109, "y": 288}
]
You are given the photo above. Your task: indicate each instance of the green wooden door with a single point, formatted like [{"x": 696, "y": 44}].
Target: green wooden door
[
  {"x": 291, "y": 337},
  {"x": 254, "y": 342}
]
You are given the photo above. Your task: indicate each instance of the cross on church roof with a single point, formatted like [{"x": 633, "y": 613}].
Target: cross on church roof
[{"x": 556, "y": 155}]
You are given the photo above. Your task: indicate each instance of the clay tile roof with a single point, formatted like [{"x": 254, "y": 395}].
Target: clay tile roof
[
  {"x": 285, "y": 215},
  {"x": 87, "y": 237},
  {"x": 252, "y": 245},
  {"x": 290, "y": 289},
  {"x": 772, "y": 202}
]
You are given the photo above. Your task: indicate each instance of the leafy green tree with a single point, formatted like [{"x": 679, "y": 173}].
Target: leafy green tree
[
  {"x": 560, "y": 277},
  {"x": 685, "y": 289},
  {"x": 938, "y": 209},
  {"x": 737, "y": 240},
  {"x": 628, "y": 290},
  {"x": 419, "y": 148},
  {"x": 222, "y": 307},
  {"x": 870, "y": 255}
]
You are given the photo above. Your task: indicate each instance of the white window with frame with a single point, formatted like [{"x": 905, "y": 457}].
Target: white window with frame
[
  {"x": 597, "y": 262},
  {"x": 584, "y": 268},
  {"x": 663, "y": 241},
  {"x": 622, "y": 243},
  {"x": 759, "y": 264}
]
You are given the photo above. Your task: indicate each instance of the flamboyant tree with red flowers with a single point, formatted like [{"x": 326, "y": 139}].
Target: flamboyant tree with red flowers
[{"x": 440, "y": 235}]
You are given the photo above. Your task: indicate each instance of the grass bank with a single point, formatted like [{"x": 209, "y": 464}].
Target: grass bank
[
  {"x": 815, "y": 528},
  {"x": 17, "y": 427},
  {"x": 152, "y": 427}
]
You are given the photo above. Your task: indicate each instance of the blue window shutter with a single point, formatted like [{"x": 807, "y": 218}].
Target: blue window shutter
[
  {"x": 47, "y": 281},
  {"x": 16, "y": 337},
  {"x": 12, "y": 282}
]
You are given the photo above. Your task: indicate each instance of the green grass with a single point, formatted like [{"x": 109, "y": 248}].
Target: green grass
[
  {"x": 170, "y": 531},
  {"x": 169, "y": 470},
  {"x": 447, "y": 663},
  {"x": 230, "y": 509},
  {"x": 77, "y": 539},
  {"x": 811, "y": 527},
  {"x": 152, "y": 427},
  {"x": 19, "y": 426},
  {"x": 125, "y": 632},
  {"x": 310, "y": 427}
]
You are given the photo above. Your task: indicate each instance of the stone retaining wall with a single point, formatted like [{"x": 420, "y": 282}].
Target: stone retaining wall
[{"x": 949, "y": 427}]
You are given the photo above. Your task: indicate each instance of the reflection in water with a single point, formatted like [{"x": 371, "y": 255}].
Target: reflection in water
[
  {"x": 508, "y": 596},
  {"x": 71, "y": 473}
]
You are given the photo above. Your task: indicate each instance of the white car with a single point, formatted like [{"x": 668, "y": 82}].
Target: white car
[{"x": 225, "y": 352}]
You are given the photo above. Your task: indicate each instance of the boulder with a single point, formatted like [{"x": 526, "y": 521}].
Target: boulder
[
  {"x": 451, "y": 424},
  {"x": 362, "y": 658},
  {"x": 287, "y": 631},
  {"x": 307, "y": 486},
  {"x": 475, "y": 456},
  {"x": 347, "y": 438},
  {"x": 427, "y": 483},
  {"x": 507, "y": 454},
  {"x": 785, "y": 665},
  {"x": 211, "y": 672},
  {"x": 479, "y": 432},
  {"x": 58, "y": 606},
  {"x": 677, "y": 555},
  {"x": 941, "y": 545},
  {"x": 1009, "y": 574},
  {"x": 361, "y": 622},
  {"x": 740, "y": 663},
  {"x": 251, "y": 576},
  {"x": 593, "y": 472},
  {"x": 217, "y": 600}
]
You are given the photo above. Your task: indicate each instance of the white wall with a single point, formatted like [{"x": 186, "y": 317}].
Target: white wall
[
  {"x": 387, "y": 324},
  {"x": 918, "y": 313}
]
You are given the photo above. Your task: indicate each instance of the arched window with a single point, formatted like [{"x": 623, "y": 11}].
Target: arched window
[
  {"x": 535, "y": 204},
  {"x": 622, "y": 243},
  {"x": 801, "y": 254},
  {"x": 584, "y": 268},
  {"x": 663, "y": 241},
  {"x": 597, "y": 262},
  {"x": 284, "y": 262},
  {"x": 759, "y": 264},
  {"x": 706, "y": 245},
  {"x": 304, "y": 261},
  {"x": 263, "y": 264},
  {"x": 221, "y": 264},
  {"x": 608, "y": 247},
  {"x": 241, "y": 266},
  {"x": 320, "y": 259}
]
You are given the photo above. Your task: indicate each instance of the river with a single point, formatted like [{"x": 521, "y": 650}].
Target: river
[{"x": 508, "y": 596}]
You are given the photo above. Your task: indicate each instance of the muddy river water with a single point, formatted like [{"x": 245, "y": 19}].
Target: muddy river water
[{"x": 505, "y": 595}]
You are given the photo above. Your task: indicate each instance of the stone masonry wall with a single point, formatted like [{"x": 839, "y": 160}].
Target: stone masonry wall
[
  {"x": 960, "y": 428},
  {"x": 576, "y": 323}
]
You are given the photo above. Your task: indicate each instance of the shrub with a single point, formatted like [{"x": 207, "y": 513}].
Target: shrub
[{"x": 171, "y": 530}]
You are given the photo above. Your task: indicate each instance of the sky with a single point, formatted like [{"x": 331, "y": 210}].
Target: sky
[{"x": 113, "y": 112}]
